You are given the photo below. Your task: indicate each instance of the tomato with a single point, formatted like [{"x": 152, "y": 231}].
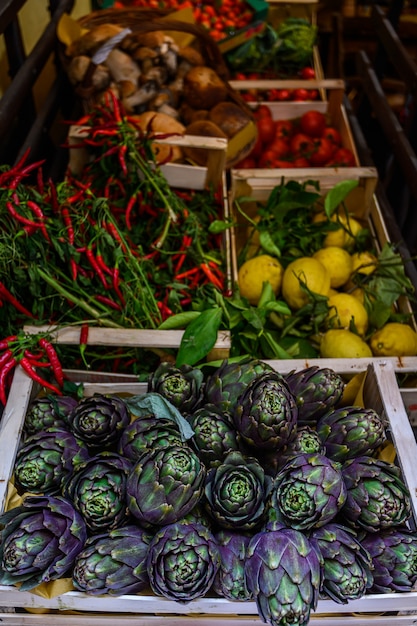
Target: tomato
[
  {"x": 333, "y": 135},
  {"x": 299, "y": 94},
  {"x": 323, "y": 151},
  {"x": 248, "y": 163},
  {"x": 279, "y": 147},
  {"x": 267, "y": 160},
  {"x": 266, "y": 129},
  {"x": 301, "y": 145},
  {"x": 263, "y": 110},
  {"x": 343, "y": 157},
  {"x": 282, "y": 94},
  {"x": 313, "y": 123},
  {"x": 282, "y": 163},
  {"x": 308, "y": 73},
  {"x": 313, "y": 94},
  {"x": 301, "y": 162},
  {"x": 283, "y": 129}
]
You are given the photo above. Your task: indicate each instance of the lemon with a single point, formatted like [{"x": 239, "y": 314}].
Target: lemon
[
  {"x": 345, "y": 310},
  {"x": 343, "y": 344},
  {"x": 338, "y": 263},
  {"x": 257, "y": 270},
  {"x": 394, "y": 339},
  {"x": 307, "y": 271},
  {"x": 344, "y": 236},
  {"x": 364, "y": 262}
]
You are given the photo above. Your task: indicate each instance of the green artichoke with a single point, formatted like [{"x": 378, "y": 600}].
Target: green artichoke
[
  {"x": 47, "y": 412},
  {"x": 45, "y": 458},
  {"x": 230, "y": 580},
  {"x": 224, "y": 386},
  {"x": 283, "y": 571},
  {"x": 214, "y": 434},
  {"x": 182, "y": 386},
  {"x": 309, "y": 491},
  {"x": 347, "y": 565},
  {"x": 182, "y": 561},
  {"x": 236, "y": 492},
  {"x": 394, "y": 556},
  {"x": 99, "y": 420},
  {"x": 113, "y": 563},
  {"x": 350, "y": 432},
  {"x": 266, "y": 413},
  {"x": 39, "y": 541},
  {"x": 316, "y": 390},
  {"x": 148, "y": 432},
  {"x": 97, "y": 489},
  {"x": 165, "y": 485},
  {"x": 377, "y": 497}
]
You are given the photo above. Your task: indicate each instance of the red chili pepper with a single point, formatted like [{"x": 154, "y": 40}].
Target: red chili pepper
[
  {"x": 6, "y": 295},
  {"x": 186, "y": 274},
  {"x": 54, "y": 196},
  {"x": 129, "y": 209},
  {"x": 40, "y": 214},
  {"x": 83, "y": 342},
  {"x": 5, "y": 343},
  {"x": 31, "y": 371},
  {"x": 211, "y": 276},
  {"x": 108, "y": 301},
  {"x": 54, "y": 360},
  {"x": 116, "y": 285},
  {"x": 103, "y": 265},
  {"x": 74, "y": 269},
  {"x": 92, "y": 259},
  {"x": 68, "y": 223},
  {"x": 4, "y": 373},
  {"x": 20, "y": 218},
  {"x": 112, "y": 230},
  {"x": 122, "y": 159}
]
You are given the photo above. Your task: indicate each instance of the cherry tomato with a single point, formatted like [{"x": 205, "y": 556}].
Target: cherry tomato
[
  {"x": 284, "y": 129},
  {"x": 301, "y": 145},
  {"x": 333, "y": 135},
  {"x": 279, "y": 147},
  {"x": 282, "y": 163},
  {"x": 343, "y": 157},
  {"x": 308, "y": 73},
  {"x": 299, "y": 95},
  {"x": 313, "y": 94},
  {"x": 266, "y": 129},
  {"x": 323, "y": 151},
  {"x": 313, "y": 123}
]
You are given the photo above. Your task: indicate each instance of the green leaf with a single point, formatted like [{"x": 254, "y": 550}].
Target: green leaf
[
  {"x": 219, "y": 226},
  {"x": 268, "y": 244},
  {"x": 279, "y": 307},
  {"x": 199, "y": 337},
  {"x": 160, "y": 407},
  {"x": 337, "y": 195},
  {"x": 267, "y": 294},
  {"x": 180, "y": 320}
]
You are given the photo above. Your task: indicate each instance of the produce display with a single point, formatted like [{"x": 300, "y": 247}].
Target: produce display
[{"x": 155, "y": 493}]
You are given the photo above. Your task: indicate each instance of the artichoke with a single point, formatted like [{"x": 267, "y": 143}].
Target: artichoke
[
  {"x": 377, "y": 498},
  {"x": 148, "y": 432},
  {"x": 97, "y": 488},
  {"x": 165, "y": 485},
  {"x": 350, "y": 432},
  {"x": 182, "y": 386},
  {"x": 347, "y": 565},
  {"x": 309, "y": 491},
  {"x": 266, "y": 413},
  {"x": 230, "y": 580},
  {"x": 283, "y": 571},
  {"x": 99, "y": 420},
  {"x": 47, "y": 412},
  {"x": 214, "y": 434},
  {"x": 182, "y": 561},
  {"x": 113, "y": 563},
  {"x": 45, "y": 458},
  {"x": 236, "y": 492},
  {"x": 224, "y": 386},
  {"x": 394, "y": 555},
  {"x": 40, "y": 541},
  {"x": 316, "y": 390}
]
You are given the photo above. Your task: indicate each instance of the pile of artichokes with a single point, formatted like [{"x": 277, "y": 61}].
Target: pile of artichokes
[{"x": 235, "y": 481}]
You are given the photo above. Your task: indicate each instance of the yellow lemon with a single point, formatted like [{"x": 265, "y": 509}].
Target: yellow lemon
[
  {"x": 254, "y": 272},
  {"x": 343, "y": 344},
  {"x": 344, "y": 236},
  {"x": 345, "y": 310},
  {"x": 394, "y": 339},
  {"x": 338, "y": 263},
  {"x": 304, "y": 271},
  {"x": 364, "y": 262}
]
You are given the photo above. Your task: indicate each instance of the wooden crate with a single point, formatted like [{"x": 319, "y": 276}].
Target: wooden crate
[{"x": 380, "y": 392}]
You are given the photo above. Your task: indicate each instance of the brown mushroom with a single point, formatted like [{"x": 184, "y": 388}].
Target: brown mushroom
[{"x": 203, "y": 87}]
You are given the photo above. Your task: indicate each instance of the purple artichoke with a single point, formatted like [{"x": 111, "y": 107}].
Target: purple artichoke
[
  {"x": 182, "y": 561},
  {"x": 309, "y": 492},
  {"x": 148, "y": 432},
  {"x": 377, "y": 497},
  {"x": 394, "y": 556},
  {"x": 316, "y": 390},
  {"x": 230, "y": 581},
  {"x": 283, "y": 571},
  {"x": 40, "y": 541},
  {"x": 266, "y": 413},
  {"x": 182, "y": 386},
  {"x": 99, "y": 420},
  {"x": 113, "y": 563},
  {"x": 47, "y": 412}
]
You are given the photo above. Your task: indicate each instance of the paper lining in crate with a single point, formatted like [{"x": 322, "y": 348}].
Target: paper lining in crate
[{"x": 380, "y": 392}]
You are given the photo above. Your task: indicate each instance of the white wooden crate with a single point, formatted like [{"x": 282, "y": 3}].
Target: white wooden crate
[{"x": 381, "y": 393}]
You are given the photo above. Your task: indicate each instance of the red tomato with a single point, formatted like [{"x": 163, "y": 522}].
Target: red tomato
[
  {"x": 343, "y": 157},
  {"x": 313, "y": 94},
  {"x": 248, "y": 163},
  {"x": 301, "y": 145},
  {"x": 283, "y": 129},
  {"x": 267, "y": 160},
  {"x": 301, "y": 162},
  {"x": 282, "y": 94},
  {"x": 282, "y": 163},
  {"x": 279, "y": 147},
  {"x": 308, "y": 73},
  {"x": 313, "y": 123},
  {"x": 323, "y": 151},
  {"x": 266, "y": 129},
  {"x": 263, "y": 111},
  {"x": 333, "y": 135},
  {"x": 299, "y": 94}
]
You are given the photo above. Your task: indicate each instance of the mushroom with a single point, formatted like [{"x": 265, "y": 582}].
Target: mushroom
[
  {"x": 141, "y": 96},
  {"x": 188, "y": 57},
  {"x": 78, "y": 68},
  {"x": 93, "y": 39},
  {"x": 122, "y": 66}
]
